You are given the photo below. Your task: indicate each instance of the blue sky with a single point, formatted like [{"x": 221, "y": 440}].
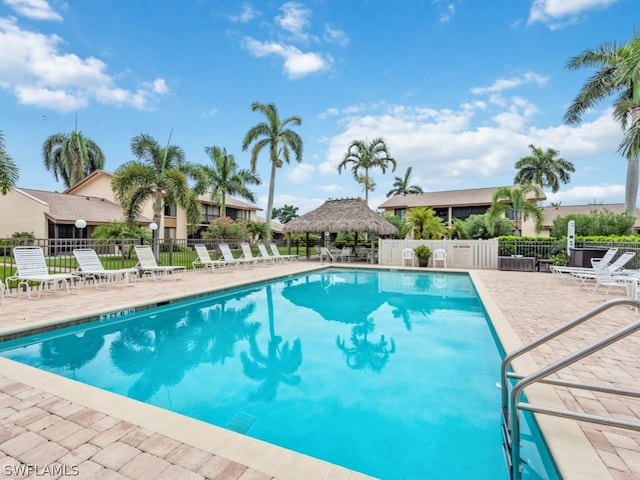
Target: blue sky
[{"x": 458, "y": 89}]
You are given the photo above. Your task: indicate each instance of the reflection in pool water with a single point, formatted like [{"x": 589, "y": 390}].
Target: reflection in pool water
[{"x": 389, "y": 373}]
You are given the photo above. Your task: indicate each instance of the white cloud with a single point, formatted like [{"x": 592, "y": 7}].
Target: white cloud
[
  {"x": 34, "y": 9},
  {"x": 34, "y": 69},
  {"x": 509, "y": 83},
  {"x": 294, "y": 20},
  {"x": 470, "y": 146},
  {"x": 581, "y": 195},
  {"x": 297, "y": 64},
  {"x": 332, "y": 35},
  {"x": 551, "y": 11},
  {"x": 300, "y": 173},
  {"x": 247, "y": 14}
]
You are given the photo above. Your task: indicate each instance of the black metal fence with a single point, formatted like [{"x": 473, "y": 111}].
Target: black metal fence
[{"x": 114, "y": 253}]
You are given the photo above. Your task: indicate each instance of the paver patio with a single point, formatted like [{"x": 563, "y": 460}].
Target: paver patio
[{"x": 77, "y": 430}]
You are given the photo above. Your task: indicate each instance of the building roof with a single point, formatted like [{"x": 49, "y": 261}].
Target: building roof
[
  {"x": 66, "y": 208},
  {"x": 450, "y": 198},
  {"x": 344, "y": 215},
  {"x": 551, "y": 213},
  {"x": 231, "y": 202}
]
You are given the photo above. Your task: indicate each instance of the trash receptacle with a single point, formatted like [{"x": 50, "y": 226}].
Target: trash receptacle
[{"x": 581, "y": 257}]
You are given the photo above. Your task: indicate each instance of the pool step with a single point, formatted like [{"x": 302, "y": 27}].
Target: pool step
[{"x": 506, "y": 442}]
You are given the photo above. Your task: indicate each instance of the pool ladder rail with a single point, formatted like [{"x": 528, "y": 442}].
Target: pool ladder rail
[{"x": 513, "y": 385}]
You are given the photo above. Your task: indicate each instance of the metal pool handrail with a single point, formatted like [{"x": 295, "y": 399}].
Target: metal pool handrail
[{"x": 511, "y": 404}]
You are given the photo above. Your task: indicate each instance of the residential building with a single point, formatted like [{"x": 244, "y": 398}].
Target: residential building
[
  {"x": 452, "y": 204},
  {"x": 53, "y": 214}
]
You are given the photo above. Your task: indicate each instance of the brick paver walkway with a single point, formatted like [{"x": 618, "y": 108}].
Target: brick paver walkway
[{"x": 42, "y": 430}]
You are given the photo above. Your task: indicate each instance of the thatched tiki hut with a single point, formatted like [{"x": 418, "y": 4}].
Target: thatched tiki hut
[{"x": 344, "y": 215}]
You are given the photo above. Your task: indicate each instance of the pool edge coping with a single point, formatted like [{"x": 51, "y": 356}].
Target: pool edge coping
[{"x": 564, "y": 437}]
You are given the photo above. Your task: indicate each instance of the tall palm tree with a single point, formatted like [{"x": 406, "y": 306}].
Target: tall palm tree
[
  {"x": 275, "y": 135},
  {"x": 226, "y": 178},
  {"x": 401, "y": 185},
  {"x": 518, "y": 200},
  {"x": 71, "y": 157},
  {"x": 9, "y": 172},
  {"x": 616, "y": 73},
  {"x": 544, "y": 169},
  {"x": 158, "y": 173},
  {"x": 363, "y": 156}
]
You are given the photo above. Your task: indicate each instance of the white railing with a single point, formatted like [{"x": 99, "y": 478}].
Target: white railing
[{"x": 460, "y": 253}]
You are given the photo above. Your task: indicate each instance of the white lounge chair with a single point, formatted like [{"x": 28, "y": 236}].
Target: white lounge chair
[
  {"x": 147, "y": 265},
  {"x": 90, "y": 268},
  {"x": 31, "y": 267},
  {"x": 264, "y": 254},
  {"x": 229, "y": 258},
  {"x": 565, "y": 273},
  {"x": 440, "y": 256},
  {"x": 276, "y": 253},
  {"x": 600, "y": 269},
  {"x": 326, "y": 255},
  {"x": 247, "y": 255},
  {"x": 205, "y": 260}
]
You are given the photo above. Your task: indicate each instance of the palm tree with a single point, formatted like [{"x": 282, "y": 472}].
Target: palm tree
[
  {"x": 401, "y": 185},
  {"x": 425, "y": 223},
  {"x": 9, "y": 172},
  {"x": 158, "y": 173},
  {"x": 279, "y": 139},
  {"x": 225, "y": 178},
  {"x": 544, "y": 169},
  {"x": 516, "y": 200},
  {"x": 617, "y": 72},
  {"x": 71, "y": 157},
  {"x": 364, "y": 156}
]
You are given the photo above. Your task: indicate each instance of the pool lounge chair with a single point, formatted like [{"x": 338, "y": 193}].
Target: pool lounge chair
[
  {"x": 276, "y": 253},
  {"x": 264, "y": 254},
  {"x": 229, "y": 258},
  {"x": 564, "y": 273},
  {"x": 612, "y": 269},
  {"x": 205, "y": 260},
  {"x": 147, "y": 265},
  {"x": 32, "y": 268},
  {"x": 247, "y": 255},
  {"x": 90, "y": 268}
]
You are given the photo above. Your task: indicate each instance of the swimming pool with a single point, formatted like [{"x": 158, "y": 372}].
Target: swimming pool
[{"x": 373, "y": 370}]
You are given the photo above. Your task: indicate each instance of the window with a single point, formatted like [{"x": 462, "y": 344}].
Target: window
[
  {"x": 170, "y": 210},
  {"x": 400, "y": 213}
]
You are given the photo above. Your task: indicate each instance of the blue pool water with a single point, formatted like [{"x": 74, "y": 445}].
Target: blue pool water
[{"x": 389, "y": 373}]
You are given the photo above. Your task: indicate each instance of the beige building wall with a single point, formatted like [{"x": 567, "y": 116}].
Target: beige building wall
[{"x": 31, "y": 216}]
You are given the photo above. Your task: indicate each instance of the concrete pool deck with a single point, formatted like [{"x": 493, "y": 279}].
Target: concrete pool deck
[{"x": 71, "y": 429}]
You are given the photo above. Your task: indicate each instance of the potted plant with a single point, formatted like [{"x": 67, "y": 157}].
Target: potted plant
[{"x": 423, "y": 253}]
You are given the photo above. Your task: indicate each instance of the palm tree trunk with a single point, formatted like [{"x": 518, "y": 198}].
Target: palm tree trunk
[
  {"x": 272, "y": 184},
  {"x": 631, "y": 186}
]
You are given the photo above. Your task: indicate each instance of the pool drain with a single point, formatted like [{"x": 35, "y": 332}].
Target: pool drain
[{"x": 241, "y": 422}]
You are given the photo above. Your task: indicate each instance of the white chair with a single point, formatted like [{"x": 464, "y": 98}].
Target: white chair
[
  {"x": 276, "y": 253},
  {"x": 205, "y": 260},
  {"x": 264, "y": 254},
  {"x": 408, "y": 256},
  {"x": 31, "y": 267},
  {"x": 326, "y": 255},
  {"x": 227, "y": 254},
  {"x": 90, "y": 268},
  {"x": 247, "y": 255},
  {"x": 345, "y": 254},
  {"x": 440, "y": 255},
  {"x": 147, "y": 265}
]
